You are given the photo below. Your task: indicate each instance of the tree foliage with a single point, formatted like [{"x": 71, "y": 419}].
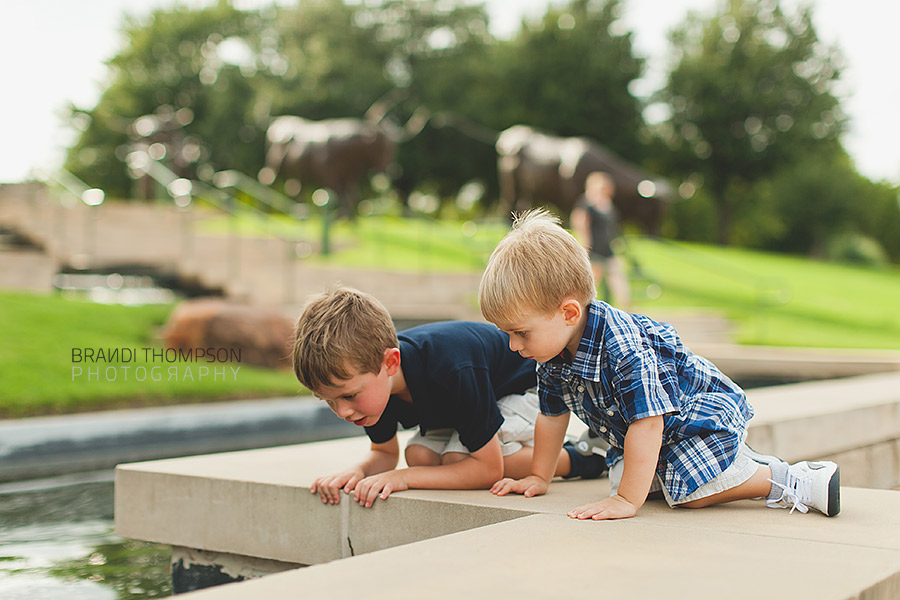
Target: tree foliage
[
  {"x": 230, "y": 71},
  {"x": 174, "y": 61},
  {"x": 751, "y": 90},
  {"x": 752, "y": 120},
  {"x": 570, "y": 75}
]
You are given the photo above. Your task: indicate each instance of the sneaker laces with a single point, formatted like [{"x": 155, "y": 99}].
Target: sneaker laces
[{"x": 794, "y": 494}]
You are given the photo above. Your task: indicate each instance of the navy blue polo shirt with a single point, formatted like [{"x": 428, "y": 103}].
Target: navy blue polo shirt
[{"x": 455, "y": 371}]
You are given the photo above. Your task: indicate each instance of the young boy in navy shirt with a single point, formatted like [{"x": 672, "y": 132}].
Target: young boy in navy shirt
[
  {"x": 674, "y": 422},
  {"x": 472, "y": 399}
]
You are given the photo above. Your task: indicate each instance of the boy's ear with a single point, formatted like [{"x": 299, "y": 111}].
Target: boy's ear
[
  {"x": 391, "y": 360},
  {"x": 571, "y": 310}
]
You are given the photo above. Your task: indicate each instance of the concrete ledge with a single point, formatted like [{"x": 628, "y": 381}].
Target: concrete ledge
[
  {"x": 257, "y": 504},
  {"x": 786, "y": 364},
  {"x": 836, "y": 419},
  {"x": 551, "y": 556},
  {"x": 42, "y": 446}
]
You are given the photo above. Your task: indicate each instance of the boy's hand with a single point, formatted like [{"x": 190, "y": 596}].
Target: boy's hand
[
  {"x": 379, "y": 486},
  {"x": 614, "y": 507},
  {"x": 329, "y": 487},
  {"x": 528, "y": 486}
]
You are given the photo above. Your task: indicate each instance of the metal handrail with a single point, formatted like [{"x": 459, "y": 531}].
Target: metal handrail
[
  {"x": 76, "y": 187},
  {"x": 182, "y": 191},
  {"x": 233, "y": 179}
]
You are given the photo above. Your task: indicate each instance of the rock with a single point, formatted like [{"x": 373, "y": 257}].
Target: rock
[{"x": 261, "y": 335}]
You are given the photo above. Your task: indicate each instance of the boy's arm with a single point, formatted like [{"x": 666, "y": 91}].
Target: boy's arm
[
  {"x": 478, "y": 470},
  {"x": 381, "y": 458},
  {"x": 642, "y": 443},
  {"x": 549, "y": 435}
]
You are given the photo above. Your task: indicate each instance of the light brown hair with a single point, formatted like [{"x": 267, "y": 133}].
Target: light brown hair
[
  {"x": 533, "y": 269},
  {"x": 340, "y": 334}
]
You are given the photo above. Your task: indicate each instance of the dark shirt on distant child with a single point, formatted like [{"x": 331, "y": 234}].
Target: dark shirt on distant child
[
  {"x": 604, "y": 228},
  {"x": 455, "y": 371}
]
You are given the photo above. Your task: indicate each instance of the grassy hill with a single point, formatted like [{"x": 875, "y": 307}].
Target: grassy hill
[{"x": 40, "y": 375}]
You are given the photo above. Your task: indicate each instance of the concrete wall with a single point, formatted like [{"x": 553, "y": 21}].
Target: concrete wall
[{"x": 257, "y": 504}]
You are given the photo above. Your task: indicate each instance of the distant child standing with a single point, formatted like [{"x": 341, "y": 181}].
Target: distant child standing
[
  {"x": 674, "y": 422},
  {"x": 596, "y": 225}
]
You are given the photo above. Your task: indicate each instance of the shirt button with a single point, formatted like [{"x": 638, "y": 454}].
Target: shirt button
[
  {"x": 603, "y": 429},
  {"x": 610, "y": 412},
  {"x": 580, "y": 388}
]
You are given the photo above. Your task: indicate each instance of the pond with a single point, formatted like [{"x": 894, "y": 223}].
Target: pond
[{"x": 57, "y": 542}]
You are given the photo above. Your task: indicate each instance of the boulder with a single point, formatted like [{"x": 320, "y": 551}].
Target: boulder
[{"x": 261, "y": 335}]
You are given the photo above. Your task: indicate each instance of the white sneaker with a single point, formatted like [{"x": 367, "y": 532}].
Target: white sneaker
[
  {"x": 810, "y": 484},
  {"x": 590, "y": 443}
]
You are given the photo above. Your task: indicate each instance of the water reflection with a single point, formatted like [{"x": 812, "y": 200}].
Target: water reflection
[{"x": 57, "y": 542}]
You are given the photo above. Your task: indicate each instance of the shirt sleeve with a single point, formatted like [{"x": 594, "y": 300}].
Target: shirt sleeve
[
  {"x": 645, "y": 388},
  {"x": 386, "y": 427},
  {"x": 551, "y": 394},
  {"x": 478, "y": 416}
]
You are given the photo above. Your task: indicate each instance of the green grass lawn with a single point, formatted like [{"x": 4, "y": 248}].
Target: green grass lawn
[
  {"x": 776, "y": 299},
  {"x": 38, "y": 375},
  {"x": 385, "y": 241},
  {"x": 772, "y": 300}
]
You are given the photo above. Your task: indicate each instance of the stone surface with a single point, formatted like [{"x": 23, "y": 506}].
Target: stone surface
[
  {"x": 261, "y": 335},
  {"x": 551, "y": 556},
  {"x": 824, "y": 418},
  {"x": 257, "y": 504},
  {"x": 54, "y": 445}
]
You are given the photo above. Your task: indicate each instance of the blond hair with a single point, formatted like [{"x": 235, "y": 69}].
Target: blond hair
[
  {"x": 533, "y": 269},
  {"x": 340, "y": 334}
]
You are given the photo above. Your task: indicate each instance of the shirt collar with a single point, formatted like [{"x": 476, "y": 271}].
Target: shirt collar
[{"x": 586, "y": 362}]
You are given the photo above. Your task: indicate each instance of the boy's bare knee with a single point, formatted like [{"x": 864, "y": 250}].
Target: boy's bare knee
[{"x": 420, "y": 456}]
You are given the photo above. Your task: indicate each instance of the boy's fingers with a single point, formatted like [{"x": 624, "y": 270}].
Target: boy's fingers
[
  {"x": 370, "y": 497},
  {"x": 502, "y": 487},
  {"x": 352, "y": 482}
]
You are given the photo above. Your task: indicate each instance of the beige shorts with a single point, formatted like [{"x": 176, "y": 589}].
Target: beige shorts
[
  {"x": 742, "y": 469},
  {"x": 519, "y": 412}
]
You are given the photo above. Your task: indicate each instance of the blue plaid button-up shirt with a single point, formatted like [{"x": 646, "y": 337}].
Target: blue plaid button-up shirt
[{"x": 630, "y": 367}]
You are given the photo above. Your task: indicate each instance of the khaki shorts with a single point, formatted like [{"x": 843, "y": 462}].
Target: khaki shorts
[
  {"x": 742, "y": 469},
  {"x": 519, "y": 412}
]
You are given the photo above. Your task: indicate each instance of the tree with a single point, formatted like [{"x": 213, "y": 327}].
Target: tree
[
  {"x": 570, "y": 76},
  {"x": 209, "y": 80},
  {"x": 813, "y": 199},
  {"x": 189, "y": 72},
  {"x": 441, "y": 56},
  {"x": 752, "y": 90}
]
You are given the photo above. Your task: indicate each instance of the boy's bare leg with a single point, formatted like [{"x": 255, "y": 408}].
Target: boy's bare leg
[
  {"x": 450, "y": 458},
  {"x": 758, "y": 486},
  {"x": 518, "y": 465},
  {"x": 420, "y": 456}
]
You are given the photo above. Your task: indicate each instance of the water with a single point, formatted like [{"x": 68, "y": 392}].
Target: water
[{"x": 57, "y": 543}]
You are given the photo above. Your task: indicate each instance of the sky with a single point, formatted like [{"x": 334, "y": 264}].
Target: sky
[{"x": 52, "y": 54}]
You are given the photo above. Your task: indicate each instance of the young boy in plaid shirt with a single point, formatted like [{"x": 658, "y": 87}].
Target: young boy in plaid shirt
[{"x": 674, "y": 422}]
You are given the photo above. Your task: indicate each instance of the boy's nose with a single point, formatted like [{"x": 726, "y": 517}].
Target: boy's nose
[
  {"x": 343, "y": 410},
  {"x": 514, "y": 345}
]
